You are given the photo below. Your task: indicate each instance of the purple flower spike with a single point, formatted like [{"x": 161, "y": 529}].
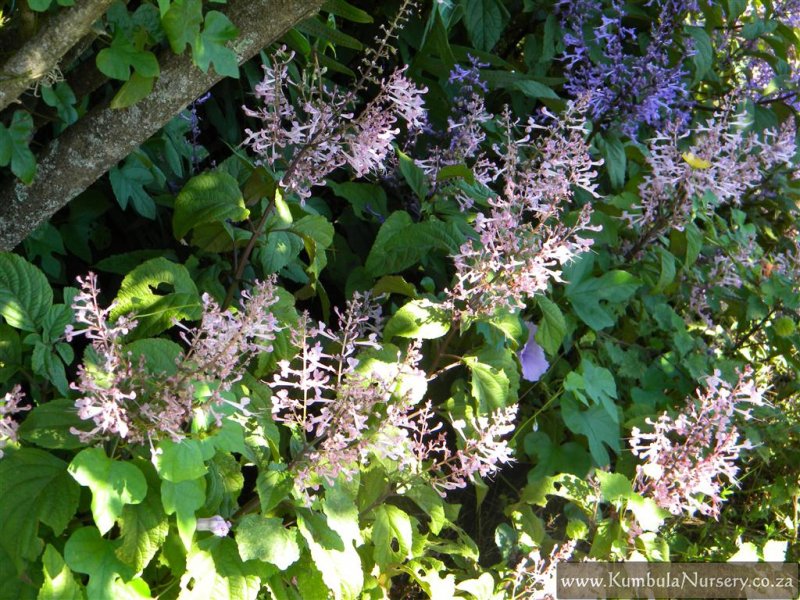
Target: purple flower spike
[{"x": 534, "y": 363}]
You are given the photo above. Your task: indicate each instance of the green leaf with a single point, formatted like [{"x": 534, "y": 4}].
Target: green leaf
[
  {"x": 34, "y": 487},
  {"x": 181, "y": 23},
  {"x": 431, "y": 502},
  {"x": 208, "y": 198},
  {"x": 552, "y": 328},
  {"x": 128, "y": 183},
  {"x": 209, "y": 47},
  {"x": 402, "y": 243},
  {"x": 535, "y": 89},
  {"x": 14, "y": 148},
  {"x": 614, "y": 487},
  {"x": 414, "y": 175},
  {"x": 586, "y": 295},
  {"x": 485, "y": 21},
  {"x": 180, "y": 461},
  {"x": 10, "y": 353},
  {"x": 614, "y": 158},
  {"x": 265, "y": 538},
  {"x": 144, "y": 526},
  {"x": 25, "y": 294},
  {"x": 703, "y": 56},
  {"x": 316, "y": 28},
  {"x": 596, "y": 424},
  {"x": 117, "y": 60},
  {"x": 48, "y": 425},
  {"x": 59, "y": 584},
  {"x": 667, "y": 275},
  {"x": 155, "y": 311},
  {"x": 340, "y": 508},
  {"x": 363, "y": 197},
  {"x": 648, "y": 514},
  {"x": 87, "y": 552},
  {"x": 214, "y": 571},
  {"x": 419, "y": 319},
  {"x": 182, "y": 500},
  {"x": 273, "y": 487},
  {"x": 392, "y": 528},
  {"x": 490, "y": 386},
  {"x": 113, "y": 483},
  {"x": 160, "y": 355},
  {"x": 343, "y": 9},
  {"x": 341, "y": 568},
  {"x": 136, "y": 88},
  {"x": 61, "y": 97}
]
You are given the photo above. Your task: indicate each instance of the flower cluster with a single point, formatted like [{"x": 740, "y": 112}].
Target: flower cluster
[
  {"x": 687, "y": 456},
  {"x": 524, "y": 240},
  {"x": 720, "y": 166},
  {"x": 632, "y": 89},
  {"x": 323, "y": 130},
  {"x": 464, "y": 134},
  {"x": 10, "y": 405},
  {"x": 347, "y": 407},
  {"x": 535, "y": 575},
  {"x": 123, "y": 399}
]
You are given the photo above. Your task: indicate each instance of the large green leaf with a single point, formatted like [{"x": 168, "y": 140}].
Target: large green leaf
[
  {"x": 552, "y": 328},
  {"x": 266, "y": 539},
  {"x": 182, "y": 500},
  {"x": 485, "y": 21},
  {"x": 144, "y": 526},
  {"x": 180, "y": 461},
  {"x": 34, "y": 487},
  {"x": 588, "y": 294},
  {"x": 155, "y": 311},
  {"x": 490, "y": 386},
  {"x": 49, "y": 425},
  {"x": 210, "y": 45},
  {"x": 121, "y": 56},
  {"x": 208, "y": 198},
  {"x": 392, "y": 529},
  {"x": 340, "y": 564},
  {"x": 214, "y": 571},
  {"x": 59, "y": 583},
  {"x": 113, "y": 483},
  {"x": 25, "y": 295},
  {"x": 596, "y": 424},
  {"x": 14, "y": 148},
  {"x": 87, "y": 552},
  {"x": 401, "y": 243},
  {"x": 181, "y": 23},
  {"x": 418, "y": 319}
]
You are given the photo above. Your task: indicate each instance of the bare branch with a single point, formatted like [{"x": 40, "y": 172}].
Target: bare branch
[
  {"x": 42, "y": 53},
  {"x": 103, "y": 137}
]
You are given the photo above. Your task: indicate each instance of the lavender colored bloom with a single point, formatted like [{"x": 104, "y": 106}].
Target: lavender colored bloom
[
  {"x": 687, "y": 456},
  {"x": 532, "y": 358},
  {"x": 216, "y": 525},
  {"x": 10, "y": 404}
]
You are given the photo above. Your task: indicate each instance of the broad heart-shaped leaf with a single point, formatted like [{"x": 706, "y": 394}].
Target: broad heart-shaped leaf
[
  {"x": 586, "y": 293},
  {"x": 401, "y": 243},
  {"x": 214, "y": 571},
  {"x": 160, "y": 355},
  {"x": 59, "y": 583},
  {"x": 34, "y": 486},
  {"x": 155, "y": 312},
  {"x": 144, "y": 526},
  {"x": 490, "y": 386},
  {"x": 266, "y": 539},
  {"x": 209, "y": 47},
  {"x": 14, "y": 146},
  {"x": 113, "y": 483},
  {"x": 419, "y": 319},
  {"x": 552, "y": 327},
  {"x": 48, "y": 425},
  {"x": 392, "y": 529},
  {"x": 596, "y": 424},
  {"x": 183, "y": 499},
  {"x": 181, "y": 22},
  {"x": 485, "y": 21},
  {"x": 340, "y": 565},
  {"x": 25, "y": 295},
  {"x": 87, "y": 552},
  {"x": 208, "y": 198},
  {"x": 431, "y": 502},
  {"x": 180, "y": 461},
  {"x": 117, "y": 60}
]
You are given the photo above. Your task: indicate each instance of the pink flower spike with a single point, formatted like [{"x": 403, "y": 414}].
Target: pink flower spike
[
  {"x": 532, "y": 358},
  {"x": 216, "y": 525}
]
